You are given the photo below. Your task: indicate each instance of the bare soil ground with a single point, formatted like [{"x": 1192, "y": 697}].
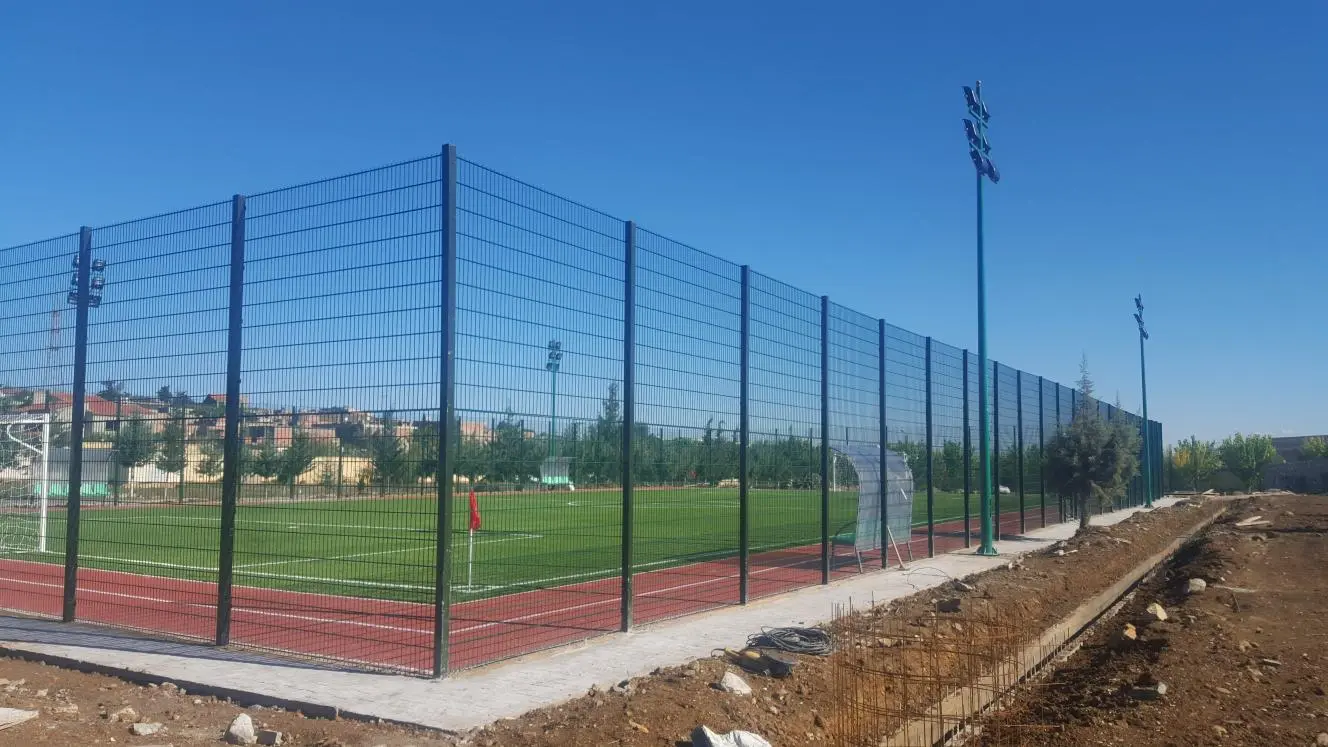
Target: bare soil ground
[
  {"x": 659, "y": 710},
  {"x": 1245, "y": 661}
]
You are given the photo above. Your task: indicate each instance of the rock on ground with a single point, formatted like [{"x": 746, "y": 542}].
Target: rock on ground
[
  {"x": 145, "y": 729},
  {"x": 241, "y": 730},
  {"x": 1196, "y": 585},
  {"x": 125, "y": 715},
  {"x": 270, "y": 737},
  {"x": 732, "y": 683}
]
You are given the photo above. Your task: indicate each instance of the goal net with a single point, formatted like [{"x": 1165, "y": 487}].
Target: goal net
[{"x": 25, "y": 481}]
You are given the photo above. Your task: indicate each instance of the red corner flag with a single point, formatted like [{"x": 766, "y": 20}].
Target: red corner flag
[{"x": 474, "y": 512}]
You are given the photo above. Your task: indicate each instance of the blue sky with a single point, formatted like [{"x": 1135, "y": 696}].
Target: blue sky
[{"x": 1164, "y": 149}]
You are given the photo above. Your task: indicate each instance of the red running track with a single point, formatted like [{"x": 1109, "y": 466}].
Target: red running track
[{"x": 399, "y": 635}]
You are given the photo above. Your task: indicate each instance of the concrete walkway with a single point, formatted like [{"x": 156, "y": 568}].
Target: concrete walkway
[{"x": 506, "y": 689}]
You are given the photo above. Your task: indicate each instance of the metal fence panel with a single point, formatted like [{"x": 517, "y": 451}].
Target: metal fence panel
[
  {"x": 1031, "y": 476},
  {"x": 1050, "y": 391},
  {"x": 36, "y": 375},
  {"x": 334, "y": 539},
  {"x": 854, "y": 423},
  {"x": 688, "y": 345},
  {"x": 906, "y": 415},
  {"x": 147, "y": 554},
  {"x": 786, "y": 437},
  {"x": 947, "y": 390},
  {"x": 540, "y": 408},
  {"x": 1005, "y": 446}
]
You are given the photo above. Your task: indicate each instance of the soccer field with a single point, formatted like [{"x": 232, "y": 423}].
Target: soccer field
[{"x": 384, "y": 547}]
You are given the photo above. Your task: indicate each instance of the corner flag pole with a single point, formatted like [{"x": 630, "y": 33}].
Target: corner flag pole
[{"x": 470, "y": 550}]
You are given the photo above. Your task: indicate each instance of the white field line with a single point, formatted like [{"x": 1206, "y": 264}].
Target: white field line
[
  {"x": 417, "y": 548},
  {"x": 158, "y": 520},
  {"x": 479, "y": 588}
]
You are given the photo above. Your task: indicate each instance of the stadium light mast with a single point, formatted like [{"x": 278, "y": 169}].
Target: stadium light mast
[
  {"x": 979, "y": 150},
  {"x": 555, "y": 359},
  {"x": 1143, "y": 381}
]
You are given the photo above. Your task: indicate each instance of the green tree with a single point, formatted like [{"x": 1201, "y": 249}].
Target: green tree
[
  {"x": 134, "y": 446},
  {"x": 213, "y": 457},
  {"x": 112, "y": 390},
  {"x": 1247, "y": 457},
  {"x": 916, "y": 454},
  {"x": 171, "y": 456},
  {"x": 263, "y": 461},
  {"x": 388, "y": 456},
  {"x": 295, "y": 461},
  {"x": 473, "y": 457},
  {"x": 1314, "y": 448},
  {"x": 165, "y": 394},
  {"x": 1195, "y": 462},
  {"x": 949, "y": 467},
  {"x": 1091, "y": 458}
]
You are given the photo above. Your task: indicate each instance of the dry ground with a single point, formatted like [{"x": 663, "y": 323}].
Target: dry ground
[
  {"x": 1245, "y": 661},
  {"x": 659, "y": 710}
]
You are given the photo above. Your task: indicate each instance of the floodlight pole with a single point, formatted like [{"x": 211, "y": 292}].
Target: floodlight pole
[
  {"x": 1143, "y": 381},
  {"x": 555, "y": 356},
  {"x": 976, "y": 130}
]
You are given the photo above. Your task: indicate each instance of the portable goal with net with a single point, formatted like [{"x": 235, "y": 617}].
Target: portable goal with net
[{"x": 25, "y": 481}]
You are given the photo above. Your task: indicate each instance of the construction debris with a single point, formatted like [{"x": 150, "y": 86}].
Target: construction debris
[
  {"x": 702, "y": 736},
  {"x": 14, "y": 716}
]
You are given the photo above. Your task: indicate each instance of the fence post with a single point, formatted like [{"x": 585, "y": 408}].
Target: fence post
[
  {"x": 744, "y": 438},
  {"x": 230, "y": 470},
  {"x": 880, "y": 424},
  {"x": 629, "y": 418},
  {"x": 968, "y": 460},
  {"x": 825, "y": 439},
  {"x": 74, "y": 501},
  {"x": 445, "y": 481},
  {"x": 1019, "y": 443},
  {"x": 1042, "y": 450},
  {"x": 1060, "y": 499},
  {"x": 996, "y": 447},
  {"x": 931, "y": 458}
]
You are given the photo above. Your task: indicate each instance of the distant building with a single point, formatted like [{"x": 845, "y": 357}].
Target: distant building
[
  {"x": 102, "y": 418},
  {"x": 1288, "y": 447},
  {"x": 474, "y": 430},
  {"x": 1307, "y": 476}
]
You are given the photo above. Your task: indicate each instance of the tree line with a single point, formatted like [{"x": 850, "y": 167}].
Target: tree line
[{"x": 1195, "y": 464}]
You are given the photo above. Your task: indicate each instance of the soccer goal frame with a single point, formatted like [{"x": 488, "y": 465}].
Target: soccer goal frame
[{"x": 41, "y": 473}]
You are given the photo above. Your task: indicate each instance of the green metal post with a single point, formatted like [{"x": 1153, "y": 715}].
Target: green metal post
[
  {"x": 445, "y": 481},
  {"x": 1148, "y": 453},
  {"x": 931, "y": 461},
  {"x": 986, "y": 544},
  {"x": 1019, "y": 444},
  {"x": 996, "y": 477},
  {"x": 628, "y": 562}
]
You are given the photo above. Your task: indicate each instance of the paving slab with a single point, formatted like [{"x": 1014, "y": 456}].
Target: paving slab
[{"x": 506, "y": 689}]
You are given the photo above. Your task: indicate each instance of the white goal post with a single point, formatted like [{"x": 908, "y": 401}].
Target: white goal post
[{"x": 25, "y": 481}]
